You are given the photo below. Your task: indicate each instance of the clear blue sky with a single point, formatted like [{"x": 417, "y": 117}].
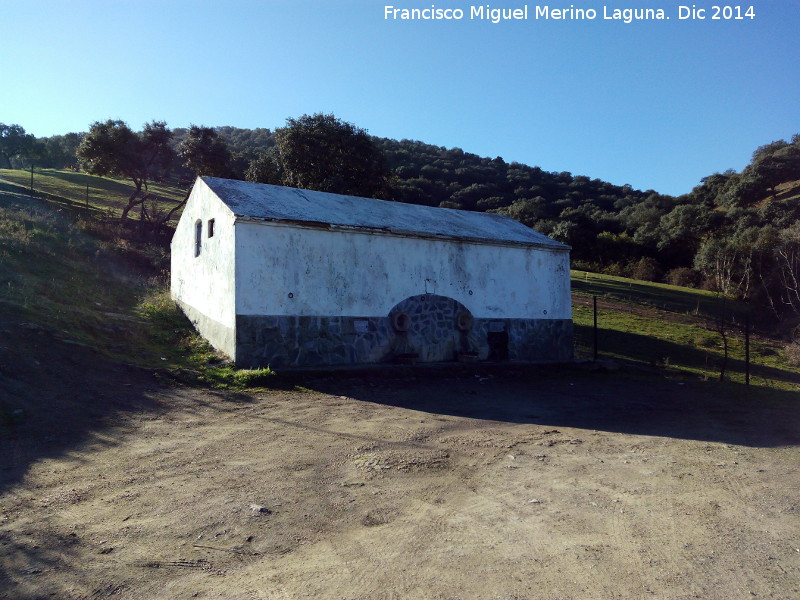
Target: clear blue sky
[{"x": 655, "y": 104}]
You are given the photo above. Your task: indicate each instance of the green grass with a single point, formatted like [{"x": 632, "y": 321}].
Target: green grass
[
  {"x": 85, "y": 291},
  {"x": 68, "y": 189},
  {"x": 99, "y": 291},
  {"x": 47, "y": 262},
  {"x": 187, "y": 356},
  {"x": 96, "y": 291},
  {"x": 661, "y": 325},
  {"x": 662, "y": 296}
]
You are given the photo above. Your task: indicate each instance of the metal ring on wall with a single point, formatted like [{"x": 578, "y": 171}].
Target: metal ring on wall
[
  {"x": 401, "y": 321},
  {"x": 464, "y": 321}
]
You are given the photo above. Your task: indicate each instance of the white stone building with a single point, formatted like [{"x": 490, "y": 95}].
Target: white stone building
[{"x": 294, "y": 278}]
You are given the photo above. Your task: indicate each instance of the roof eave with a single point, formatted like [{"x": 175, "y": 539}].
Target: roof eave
[{"x": 553, "y": 246}]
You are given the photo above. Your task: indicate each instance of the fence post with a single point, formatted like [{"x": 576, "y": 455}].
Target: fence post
[
  {"x": 747, "y": 348},
  {"x": 31, "y": 180},
  {"x": 594, "y": 302}
]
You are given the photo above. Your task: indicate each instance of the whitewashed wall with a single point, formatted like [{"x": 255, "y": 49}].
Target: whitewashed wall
[
  {"x": 204, "y": 285},
  {"x": 360, "y": 274}
]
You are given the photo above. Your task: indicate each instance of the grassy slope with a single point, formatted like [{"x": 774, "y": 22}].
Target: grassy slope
[
  {"x": 655, "y": 295},
  {"x": 105, "y": 295},
  {"x": 789, "y": 190},
  {"x": 55, "y": 275},
  {"x": 669, "y": 326},
  {"x": 69, "y": 189},
  {"x": 49, "y": 268}
]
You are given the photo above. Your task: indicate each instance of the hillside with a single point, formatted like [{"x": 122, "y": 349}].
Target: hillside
[
  {"x": 133, "y": 320},
  {"x": 134, "y": 464},
  {"x": 79, "y": 192},
  {"x": 735, "y": 234},
  {"x": 612, "y": 229}
]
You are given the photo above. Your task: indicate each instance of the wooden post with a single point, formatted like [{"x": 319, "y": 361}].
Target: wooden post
[
  {"x": 31, "y": 180},
  {"x": 747, "y": 348},
  {"x": 594, "y": 301}
]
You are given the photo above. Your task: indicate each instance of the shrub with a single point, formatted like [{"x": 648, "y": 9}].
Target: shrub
[
  {"x": 616, "y": 269},
  {"x": 709, "y": 285},
  {"x": 585, "y": 265},
  {"x": 160, "y": 309},
  {"x": 684, "y": 277},
  {"x": 646, "y": 269}
]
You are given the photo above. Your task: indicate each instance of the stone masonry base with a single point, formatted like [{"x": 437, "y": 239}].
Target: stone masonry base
[{"x": 430, "y": 329}]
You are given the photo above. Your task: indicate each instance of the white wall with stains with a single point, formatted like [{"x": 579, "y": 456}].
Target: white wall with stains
[
  {"x": 203, "y": 285},
  {"x": 286, "y": 269}
]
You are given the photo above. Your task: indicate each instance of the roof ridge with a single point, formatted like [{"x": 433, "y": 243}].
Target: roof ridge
[{"x": 265, "y": 202}]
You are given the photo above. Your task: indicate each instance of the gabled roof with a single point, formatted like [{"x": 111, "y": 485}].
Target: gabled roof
[{"x": 262, "y": 202}]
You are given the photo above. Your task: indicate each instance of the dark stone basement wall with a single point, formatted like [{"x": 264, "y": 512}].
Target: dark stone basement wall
[{"x": 432, "y": 336}]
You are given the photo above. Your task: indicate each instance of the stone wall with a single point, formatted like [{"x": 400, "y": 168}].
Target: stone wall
[{"x": 425, "y": 328}]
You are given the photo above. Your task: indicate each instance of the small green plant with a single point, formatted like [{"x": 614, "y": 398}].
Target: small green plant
[
  {"x": 200, "y": 351},
  {"x": 158, "y": 306},
  {"x": 253, "y": 377},
  {"x": 172, "y": 337},
  {"x": 705, "y": 340},
  {"x": 228, "y": 376}
]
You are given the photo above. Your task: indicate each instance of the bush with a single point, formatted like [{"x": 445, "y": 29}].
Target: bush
[
  {"x": 684, "y": 277},
  {"x": 709, "y": 285},
  {"x": 616, "y": 269},
  {"x": 647, "y": 269},
  {"x": 585, "y": 265}
]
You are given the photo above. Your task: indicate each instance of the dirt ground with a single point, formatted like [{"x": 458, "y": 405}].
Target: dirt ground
[{"x": 404, "y": 484}]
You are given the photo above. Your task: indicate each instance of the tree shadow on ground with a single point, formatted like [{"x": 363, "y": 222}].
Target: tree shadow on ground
[
  {"x": 629, "y": 290},
  {"x": 654, "y": 351},
  {"x": 79, "y": 178},
  {"x": 673, "y": 299},
  {"x": 56, "y": 395},
  {"x": 13, "y": 191},
  {"x": 69, "y": 395}
]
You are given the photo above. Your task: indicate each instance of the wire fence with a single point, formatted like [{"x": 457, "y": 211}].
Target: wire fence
[
  {"x": 102, "y": 217},
  {"x": 723, "y": 347}
]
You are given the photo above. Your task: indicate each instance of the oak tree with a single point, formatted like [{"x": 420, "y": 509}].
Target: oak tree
[
  {"x": 111, "y": 148},
  {"x": 321, "y": 152}
]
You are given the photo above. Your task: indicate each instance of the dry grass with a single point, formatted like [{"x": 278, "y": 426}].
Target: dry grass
[{"x": 793, "y": 354}]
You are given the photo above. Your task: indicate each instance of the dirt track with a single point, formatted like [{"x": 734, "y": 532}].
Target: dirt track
[{"x": 563, "y": 485}]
